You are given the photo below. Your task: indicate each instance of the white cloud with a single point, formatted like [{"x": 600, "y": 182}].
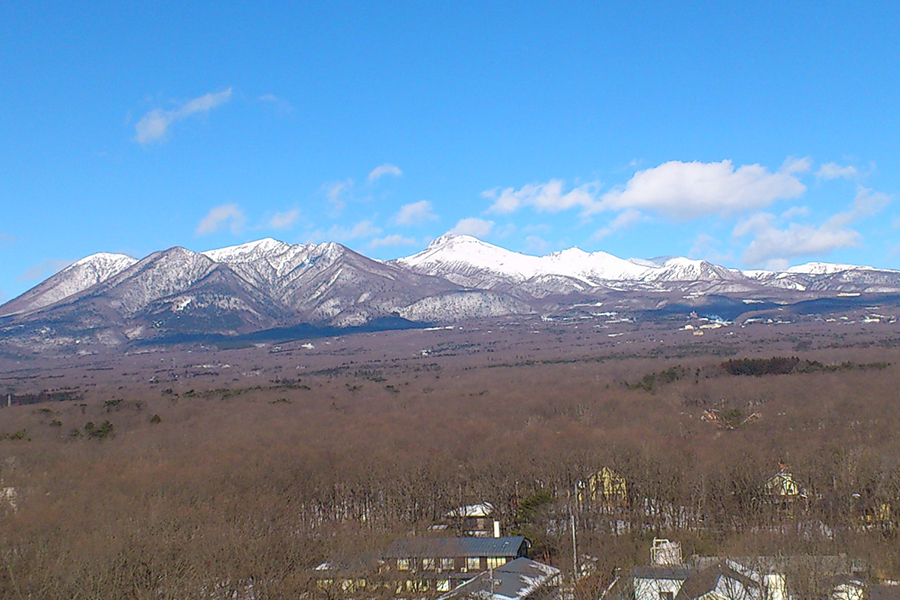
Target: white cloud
[
  {"x": 832, "y": 170},
  {"x": 44, "y": 269},
  {"x": 797, "y": 165},
  {"x": 285, "y": 219},
  {"x": 226, "y": 215},
  {"x": 773, "y": 244},
  {"x": 335, "y": 192},
  {"x": 621, "y": 221},
  {"x": 868, "y": 203},
  {"x": 415, "y": 213},
  {"x": 392, "y": 240},
  {"x": 689, "y": 190},
  {"x": 473, "y": 226},
  {"x": 795, "y": 211},
  {"x": 544, "y": 197},
  {"x": 153, "y": 126},
  {"x": 385, "y": 169}
]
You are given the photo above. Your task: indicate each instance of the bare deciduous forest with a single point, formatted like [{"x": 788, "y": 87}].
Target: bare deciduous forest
[{"x": 205, "y": 473}]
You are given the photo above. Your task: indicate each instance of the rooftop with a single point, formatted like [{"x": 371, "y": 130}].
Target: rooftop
[
  {"x": 455, "y": 547},
  {"x": 518, "y": 578}
]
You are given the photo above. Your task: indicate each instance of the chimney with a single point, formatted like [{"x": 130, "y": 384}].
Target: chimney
[{"x": 496, "y": 528}]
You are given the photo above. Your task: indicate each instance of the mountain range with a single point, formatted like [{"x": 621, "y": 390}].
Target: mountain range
[{"x": 268, "y": 285}]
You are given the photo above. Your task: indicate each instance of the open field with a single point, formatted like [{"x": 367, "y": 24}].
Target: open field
[{"x": 173, "y": 473}]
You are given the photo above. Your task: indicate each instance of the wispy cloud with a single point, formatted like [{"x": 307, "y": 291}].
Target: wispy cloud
[
  {"x": 621, "y": 221},
  {"x": 705, "y": 247},
  {"x": 832, "y": 170},
  {"x": 392, "y": 240},
  {"x": 282, "y": 106},
  {"x": 154, "y": 125},
  {"x": 382, "y": 170},
  {"x": 337, "y": 233},
  {"x": 7, "y": 238},
  {"x": 336, "y": 192},
  {"x": 473, "y": 226},
  {"x": 415, "y": 213},
  {"x": 536, "y": 244},
  {"x": 43, "y": 270},
  {"x": 220, "y": 217},
  {"x": 793, "y": 165},
  {"x": 285, "y": 219},
  {"x": 773, "y": 245},
  {"x": 543, "y": 197}
]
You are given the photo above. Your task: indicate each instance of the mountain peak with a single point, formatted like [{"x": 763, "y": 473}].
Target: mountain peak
[
  {"x": 103, "y": 258},
  {"x": 249, "y": 250},
  {"x": 821, "y": 268},
  {"x": 455, "y": 239}
]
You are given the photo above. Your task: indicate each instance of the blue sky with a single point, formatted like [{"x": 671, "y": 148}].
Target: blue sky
[{"x": 756, "y": 135}]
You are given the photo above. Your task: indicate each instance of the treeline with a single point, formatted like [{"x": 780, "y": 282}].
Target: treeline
[{"x": 783, "y": 365}]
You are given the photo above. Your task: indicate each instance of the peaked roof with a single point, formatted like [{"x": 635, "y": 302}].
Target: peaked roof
[
  {"x": 456, "y": 546},
  {"x": 518, "y": 578},
  {"x": 707, "y": 580}
]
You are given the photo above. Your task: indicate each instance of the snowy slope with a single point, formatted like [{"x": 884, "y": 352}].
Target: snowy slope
[
  {"x": 72, "y": 280},
  {"x": 820, "y": 268},
  {"x": 468, "y": 261}
]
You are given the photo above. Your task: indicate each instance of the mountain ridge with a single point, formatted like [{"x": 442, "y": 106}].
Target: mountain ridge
[{"x": 269, "y": 284}]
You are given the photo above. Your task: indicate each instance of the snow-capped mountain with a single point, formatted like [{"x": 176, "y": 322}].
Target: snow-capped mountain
[
  {"x": 112, "y": 299},
  {"x": 470, "y": 262},
  {"x": 820, "y": 268},
  {"x": 75, "y": 278}
]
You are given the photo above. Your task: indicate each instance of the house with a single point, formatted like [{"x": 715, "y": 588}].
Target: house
[
  {"x": 726, "y": 579},
  {"x": 607, "y": 487},
  {"x": 473, "y": 519},
  {"x": 707, "y": 578},
  {"x": 441, "y": 563},
  {"x": 351, "y": 574},
  {"x": 519, "y": 579},
  {"x": 783, "y": 486},
  {"x": 747, "y": 578}
]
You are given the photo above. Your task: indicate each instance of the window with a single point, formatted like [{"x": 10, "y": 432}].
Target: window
[
  {"x": 443, "y": 585},
  {"x": 473, "y": 564},
  {"x": 446, "y": 564},
  {"x": 403, "y": 564},
  {"x": 428, "y": 564},
  {"x": 496, "y": 561}
]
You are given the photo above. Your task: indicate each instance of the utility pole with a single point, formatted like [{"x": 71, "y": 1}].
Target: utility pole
[
  {"x": 578, "y": 486},
  {"x": 574, "y": 553}
]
